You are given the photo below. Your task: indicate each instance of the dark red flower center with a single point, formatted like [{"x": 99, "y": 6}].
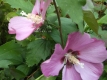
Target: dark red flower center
[{"x": 71, "y": 58}]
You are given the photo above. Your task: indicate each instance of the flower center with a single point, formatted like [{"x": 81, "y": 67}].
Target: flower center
[
  {"x": 35, "y": 18},
  {"x": 72, "y": 59}
]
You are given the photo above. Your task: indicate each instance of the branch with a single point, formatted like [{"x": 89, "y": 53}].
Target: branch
[{"x": 59, "y": 21}]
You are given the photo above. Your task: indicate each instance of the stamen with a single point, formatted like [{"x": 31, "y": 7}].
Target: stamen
[
  {"x": 35, "y": 18},
  {"x": 23, "y": 13},
  {"x": 72, "y": 59}
]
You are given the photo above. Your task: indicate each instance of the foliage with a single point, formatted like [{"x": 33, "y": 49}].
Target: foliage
[{"x": 20, "y": 60}]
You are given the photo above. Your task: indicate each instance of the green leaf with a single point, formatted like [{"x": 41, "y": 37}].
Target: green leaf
[
  {"x": 105, "y": 68},
  {"x": 24, "y": 5},
  {"x": 91, "y": 21},
  {"x": 80, "y": 26},
  {"x": 103, "y": 19},
  {"x": 103, "y": 34},
  {"x": 2, "y": 75},
  {"x": 51, "y": 9},
  {"x": 74, "y": 9},
  {"x": 82, "y": 2},
  {"x": 38, "y": 50},
  {"x": 103, "y": 78},
  {"x": 56, "y": 36},
  {"x": 104, "y": 75},
  {"x": 10, "y": 15},
  {"x": 17, "y": 74},
  {"x": 10, "y": 53},
  {"x": 46, "y": 78},
  {"x": 52, "y": 17},
  {"x": 67, "y": 27},
  {"x": 23, "y": 68},
  {"x": 32, "y": 78},
  {"x": 5, "y": 63}
]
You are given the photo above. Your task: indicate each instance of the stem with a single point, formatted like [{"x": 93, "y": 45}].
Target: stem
[
  {"x": 59, "y": 21},
  {"x": 32, "y": 74}
]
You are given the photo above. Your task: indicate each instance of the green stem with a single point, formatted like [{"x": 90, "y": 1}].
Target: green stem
[
  {"x": 32, "y": 74},
  {"x": 59, "y": 21}
]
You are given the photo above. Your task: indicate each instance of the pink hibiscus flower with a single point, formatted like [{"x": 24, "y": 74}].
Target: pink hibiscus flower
[
  {"x": 81, "y": 58},
  {"x": 26, "y": 24}
]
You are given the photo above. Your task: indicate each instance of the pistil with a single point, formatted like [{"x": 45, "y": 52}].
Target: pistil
[{"x": 72, "y": 59}]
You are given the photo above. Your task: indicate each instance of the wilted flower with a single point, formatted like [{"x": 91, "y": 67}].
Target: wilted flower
[
  {"x": 81, "y": 58},
  {"x": 24, "y": 25}
]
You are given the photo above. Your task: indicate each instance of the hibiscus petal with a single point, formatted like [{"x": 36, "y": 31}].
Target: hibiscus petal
[
  {"x": 94, "y": 52},
  {"x": 42, "y": 3},
  {"x": 76, "y": 40},
  {"x": 90, "y": 71},
  {"x": 58, "y": 53},
  {"x": 69, "y": 73},
  {"x": 46, "y": 5},
  {"x": 52, "y": 66},
  {"x": 21, "y": 26},
  {"x": 36, "y": 8}
]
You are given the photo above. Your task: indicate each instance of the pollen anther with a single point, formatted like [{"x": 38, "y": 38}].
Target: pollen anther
[
  {"x": 35, "y": 18},
  {"x": 23, "y": 13},
  {"x": 72, "y": 59}
]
